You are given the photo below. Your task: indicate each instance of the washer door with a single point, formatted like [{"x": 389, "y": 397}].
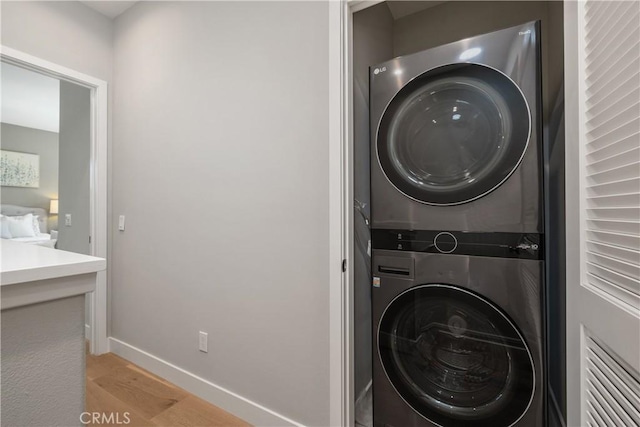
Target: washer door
[
  {"x": 453, "y": 134},
  {"x": 455, "y": 358}
]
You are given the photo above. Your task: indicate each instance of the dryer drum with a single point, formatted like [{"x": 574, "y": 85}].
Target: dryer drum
[
  {"x": 454, "y": 357},
  {"x": 453, "y": 134}
]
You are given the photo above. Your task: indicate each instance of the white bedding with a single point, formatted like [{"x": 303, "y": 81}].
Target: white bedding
[{"x": 42, "y": 239}]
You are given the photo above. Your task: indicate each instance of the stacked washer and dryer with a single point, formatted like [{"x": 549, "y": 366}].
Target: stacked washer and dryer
[{"x": 457, "y": 233}]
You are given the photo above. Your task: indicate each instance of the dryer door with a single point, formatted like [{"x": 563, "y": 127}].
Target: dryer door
[
  {"x": 453, "y": 134},
  {"x": 455, "y": 358}
]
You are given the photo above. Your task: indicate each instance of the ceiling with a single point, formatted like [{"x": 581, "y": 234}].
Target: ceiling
[
  {"x": 400, "y": 9},
  {"x": 29, "y": 99},
  {"x": 110, "y": 9}
]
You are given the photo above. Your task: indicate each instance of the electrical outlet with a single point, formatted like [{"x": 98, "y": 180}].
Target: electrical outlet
[
  {"x": 67, "y": 220},
  {"x": 203, "y": 342}
]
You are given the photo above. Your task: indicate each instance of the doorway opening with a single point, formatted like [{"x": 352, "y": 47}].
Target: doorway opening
[
  {"x": 67, "y": 149},
  {"x": 377, "y": 33}
]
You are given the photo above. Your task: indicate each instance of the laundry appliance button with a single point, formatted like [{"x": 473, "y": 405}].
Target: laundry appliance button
[{"x": 445, "y": 242}]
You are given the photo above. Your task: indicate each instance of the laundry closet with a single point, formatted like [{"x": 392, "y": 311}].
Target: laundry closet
[{"x": 458, "y": 127}]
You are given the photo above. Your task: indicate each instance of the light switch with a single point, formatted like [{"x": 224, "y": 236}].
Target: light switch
[
  {"x": 121, "y": 223},
  {"x": 67, "y": 220}
]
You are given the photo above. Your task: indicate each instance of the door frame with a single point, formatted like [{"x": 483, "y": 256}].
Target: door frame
[
  {"x": 98, "y": 177},
  {"x": 341, "y": 208},
  {"x": 342, "y": 404}
]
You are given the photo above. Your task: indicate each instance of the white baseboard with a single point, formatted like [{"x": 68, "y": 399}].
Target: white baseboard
[
  {"x": 242, "y": 407},
  {"x": 87, "y": 332}
]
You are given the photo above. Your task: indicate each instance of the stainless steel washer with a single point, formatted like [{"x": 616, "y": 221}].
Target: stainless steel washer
[
  {"x": 458, "y": 337},
  {"x": 456, "y": 136}
]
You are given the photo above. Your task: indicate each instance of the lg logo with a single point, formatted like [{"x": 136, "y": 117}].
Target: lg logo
[
  {"x": 110, "y": 418},
  {"x": 379, "y": 70}
]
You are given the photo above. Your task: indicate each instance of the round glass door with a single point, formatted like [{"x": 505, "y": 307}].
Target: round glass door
[
  {"x": 455, "y": 358},
  {"x": 453, "y": 134}
]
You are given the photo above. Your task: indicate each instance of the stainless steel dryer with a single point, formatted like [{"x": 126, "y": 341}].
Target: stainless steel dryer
[
  {"x": 456, "y": 143},
  {"x": 458, "y": 337}
]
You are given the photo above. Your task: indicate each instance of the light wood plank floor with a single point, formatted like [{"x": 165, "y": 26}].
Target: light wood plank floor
[{"x": 115, "y": 385}]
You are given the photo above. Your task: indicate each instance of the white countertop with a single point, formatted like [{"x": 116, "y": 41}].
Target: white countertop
[{"x": 20, "y": 262}]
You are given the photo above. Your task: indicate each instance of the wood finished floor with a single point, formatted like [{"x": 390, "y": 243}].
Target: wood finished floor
[{"x": 115, "y": 385}]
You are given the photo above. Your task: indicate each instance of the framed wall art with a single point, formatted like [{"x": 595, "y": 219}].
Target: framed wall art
[{"x": 19, "y": 169}]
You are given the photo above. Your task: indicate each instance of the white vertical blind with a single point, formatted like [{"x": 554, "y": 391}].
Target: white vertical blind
[
  {"x": 612, "y": 389},
  {"x": 602, "y": 118},
  {"x": 612, "y": 150}
]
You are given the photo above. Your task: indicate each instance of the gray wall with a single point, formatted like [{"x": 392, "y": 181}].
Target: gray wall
[
  {"x": 372, "y": 44},
  {"x": 555, "y": 220},
  {"x": 221, "y": 167},
  {"x": 36, "y": 141},
  {"x": 456, "y": 20},
  {"x": 64, "y": 32},
  {"x": 74, "y": 160},
  {"x": 43, "y": 365}
]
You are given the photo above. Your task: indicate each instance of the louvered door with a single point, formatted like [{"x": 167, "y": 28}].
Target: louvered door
[{"x": 602, "y": 42}]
